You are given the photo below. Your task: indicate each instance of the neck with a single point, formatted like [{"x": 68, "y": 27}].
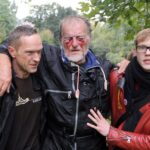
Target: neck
[
  {"x": 80, "y": 62},
  {"x": 20, "y": 73}
]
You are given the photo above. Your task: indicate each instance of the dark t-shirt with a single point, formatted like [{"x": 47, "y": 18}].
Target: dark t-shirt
[{"x": 25, "y": 130}]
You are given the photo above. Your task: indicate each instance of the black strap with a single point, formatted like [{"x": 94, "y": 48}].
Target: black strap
[
  {"x": 132, "y": 121},
  {"x": 133, "y": 110}
]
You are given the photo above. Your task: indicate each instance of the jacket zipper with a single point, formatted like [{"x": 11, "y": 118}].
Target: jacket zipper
[
  {"x": 61, "y": 92},
  {"x": 77, "y": 104}
]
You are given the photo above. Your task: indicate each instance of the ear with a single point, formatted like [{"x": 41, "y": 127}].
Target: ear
[{"x": 12, "y": 51}]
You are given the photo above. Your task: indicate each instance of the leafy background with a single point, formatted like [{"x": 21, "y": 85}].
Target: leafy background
[{"x": 115, "y": 23}]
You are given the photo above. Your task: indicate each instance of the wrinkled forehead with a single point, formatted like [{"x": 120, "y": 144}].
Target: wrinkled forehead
[{"x": 74, "y": 27}]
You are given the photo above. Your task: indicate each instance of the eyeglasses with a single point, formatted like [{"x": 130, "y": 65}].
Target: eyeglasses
[
  {"x": 79, "y": 38},
  {"x": 142, "y": 48}
]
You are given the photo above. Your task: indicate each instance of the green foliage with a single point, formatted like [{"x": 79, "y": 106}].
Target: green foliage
[
  {"x": 47, "y": 36},
  {"x": 49, "y": 16},
  {"x": 7, "y": 18},
  {"x": 134, "y": 14},
  {"x": 114, "y": 57},
  {"x": 109, "y": 42}
]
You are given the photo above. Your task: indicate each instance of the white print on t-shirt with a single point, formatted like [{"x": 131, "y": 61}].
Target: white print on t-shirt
[{"x": 22, "y": 101}]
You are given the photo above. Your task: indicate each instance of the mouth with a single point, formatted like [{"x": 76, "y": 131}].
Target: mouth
[
  {"x": 34, "y": 65},
  {"x": 147, "y": 61},
  {"x": 74, "y": 50}
]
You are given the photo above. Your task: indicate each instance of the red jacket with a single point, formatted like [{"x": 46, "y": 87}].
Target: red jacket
[
  {"x": 117, "y": 95},
  {"x": 137, "y": 140}
]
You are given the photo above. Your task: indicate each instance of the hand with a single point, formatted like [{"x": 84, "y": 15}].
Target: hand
[
  {"x": 101, "y": 124},
  {"x": 5, "y": 74},
  {"x": 123, "y": 65}
]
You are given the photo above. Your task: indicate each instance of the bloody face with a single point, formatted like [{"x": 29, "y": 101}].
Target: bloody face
[{"x": 75, "y": 40}]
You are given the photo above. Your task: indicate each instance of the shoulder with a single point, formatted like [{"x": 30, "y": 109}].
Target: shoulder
[
  {"x": 105, "y": 64},
  {"x": 51, "y": 48},
  {"x": 50, "y": 51}
]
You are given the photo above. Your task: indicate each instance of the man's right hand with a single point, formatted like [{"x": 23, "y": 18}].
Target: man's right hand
[{"x": 5, "y": 74}]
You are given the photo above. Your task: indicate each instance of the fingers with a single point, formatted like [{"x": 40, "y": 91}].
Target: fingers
[
  {"x": 100, "y": 123},
  {"x": 99, "y": 114},
  {"x": 96, "y": 114},
  {"x": 1, "y": 88},
  {"x": 92, "y": 118},
  {"x": 5, "y": 73},
  {"x": 123, "y": 65},
  {"x": 92, "y": 126},
  {"x": 8, "y": 88},
  {"x": 4, "y": 87}
]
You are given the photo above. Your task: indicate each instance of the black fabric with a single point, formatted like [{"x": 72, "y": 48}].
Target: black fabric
[
  {"x": 137, "y": 85},
  {"x": 56, "y": 141},
  {"x": 132, "y": 115},
  {"x": 6, "y": 116},
  {"x": 25, "y": 131},
  {"x": 132, "y": 121},
  {"x": 8, "y": 111},
  {"x": 60, "y": 79}
]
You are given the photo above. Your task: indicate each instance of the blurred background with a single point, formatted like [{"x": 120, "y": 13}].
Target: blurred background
[{"x": 115, "y": 22}]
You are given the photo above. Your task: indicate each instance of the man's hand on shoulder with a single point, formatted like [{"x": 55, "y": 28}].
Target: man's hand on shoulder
[
  {"x": 122, "y": 66},
  {"x": 5, "y": 73}
]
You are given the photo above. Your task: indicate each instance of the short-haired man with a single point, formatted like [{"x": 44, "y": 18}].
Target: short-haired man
[{"x": 20, "y": 109}]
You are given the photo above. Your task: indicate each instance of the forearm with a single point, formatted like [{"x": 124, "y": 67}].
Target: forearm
[
  {"x": 4, "y": 61},
  {"x": 5, "y": 73},
  {"x": 128, "y": 140}
]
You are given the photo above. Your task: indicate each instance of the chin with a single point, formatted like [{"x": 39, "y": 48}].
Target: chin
[
  {"x": 76, "y": 58},
  {"x": 146, "y": 68},
  {"x": 33, "y": 70}
]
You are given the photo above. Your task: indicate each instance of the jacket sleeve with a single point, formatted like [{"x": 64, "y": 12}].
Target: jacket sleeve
[
  {"x": 116, "y": 95},
  {"x": 128, "y": 140},
  {"x": 4, "y": 47}
]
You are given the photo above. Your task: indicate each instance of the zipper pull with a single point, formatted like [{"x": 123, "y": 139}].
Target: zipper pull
[
  {"x": 128, "y": 139},
  {"x": 69, "y": 95},
  {"x": 77, "y": 93}
]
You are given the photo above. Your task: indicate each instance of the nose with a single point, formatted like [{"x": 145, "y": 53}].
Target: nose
[
  {"x": 74, "y": 42},
  {"x": 37, "y": 57},
  {"x": 148, "y": 51}
]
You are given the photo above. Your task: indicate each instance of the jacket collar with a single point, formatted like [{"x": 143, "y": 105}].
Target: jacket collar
[{"x": 91, "y": 60}]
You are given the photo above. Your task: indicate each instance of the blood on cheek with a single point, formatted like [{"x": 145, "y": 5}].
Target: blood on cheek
[
  {"x": 69, "y": 44},
  {"x": 82, "y": 44}
]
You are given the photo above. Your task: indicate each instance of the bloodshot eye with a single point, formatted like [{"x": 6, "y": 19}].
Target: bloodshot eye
[
  {"x": 80, "y": 38},
  {"x": 67, "y": 39}
]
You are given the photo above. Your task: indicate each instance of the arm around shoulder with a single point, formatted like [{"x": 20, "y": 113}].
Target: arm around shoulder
[{"x": 5, "y": 73}]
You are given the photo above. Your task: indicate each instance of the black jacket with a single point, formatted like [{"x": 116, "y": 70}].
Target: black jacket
[
  {"x": 67, "y": 115},
  {"x": 7, "y": 112}
]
